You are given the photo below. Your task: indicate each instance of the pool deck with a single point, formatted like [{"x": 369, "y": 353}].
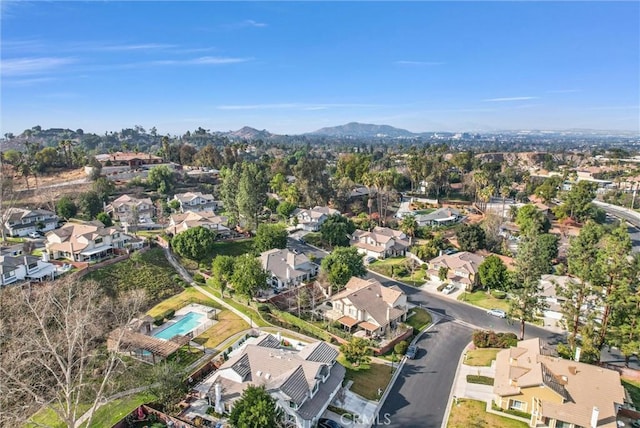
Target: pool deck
[{"x": 185, "y": 310}]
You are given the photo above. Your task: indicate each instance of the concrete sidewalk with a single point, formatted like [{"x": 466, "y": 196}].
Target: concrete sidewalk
[{"x": 463, "y": 389}]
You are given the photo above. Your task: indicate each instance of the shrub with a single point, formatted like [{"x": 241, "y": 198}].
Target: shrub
[
  {"x": 518, "y": 413},
  {"x": 170, "y": 314},
  {"x": 264, "y": 308},
  {"x": 441, "y": 286},
  {"x": 158, "y": 320},
  {"x": 198, "y": 278},
  {"x": 401, "y": 347},
  {"x": 498, "y": 294},
  {"x": 491, "y": 339},
  {"x": 480, "y": 380}
]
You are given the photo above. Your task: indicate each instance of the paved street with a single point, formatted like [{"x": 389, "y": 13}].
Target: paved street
[{"x": 419, "y": 397}]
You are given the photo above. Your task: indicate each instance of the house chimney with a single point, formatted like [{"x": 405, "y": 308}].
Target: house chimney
[
  {"x": 279, "y": 337},
  {"x": 388, "y": 314},
  {"x": 595, "y": 413},
  {"x": 440, "y": 253},
  {"x": 218, "y": 407},
  {"x": 73, "y": 256},
  {"x": 45, "y": 256},
  {"x": 577, "y": 356}
]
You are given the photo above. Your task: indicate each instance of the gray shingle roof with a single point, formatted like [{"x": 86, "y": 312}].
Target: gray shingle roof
[
  {"x": 269, "y": 341},
  {"x": 320, "y": 352},
  {"x": 295, "y": 385},
  {"x": 242, "y": 366}
]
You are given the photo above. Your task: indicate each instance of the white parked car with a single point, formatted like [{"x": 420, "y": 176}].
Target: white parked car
[
  {"x": 497, "y": 313},
  {"x": 449, "y": 289},
  {"x": 34, "y": 235}
]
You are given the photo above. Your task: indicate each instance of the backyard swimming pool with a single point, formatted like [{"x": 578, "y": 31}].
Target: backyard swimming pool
[{"x": 186, "y": 324}]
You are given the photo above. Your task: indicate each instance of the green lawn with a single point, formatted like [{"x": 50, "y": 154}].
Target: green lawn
[
  {"x": 149, "y": 271},
  {"x": 233, "y": 248},
  {"x": 482, "y": 299},
  {"x": 367, "y": 378},
  {"x": 472, "y": 413},
  {"x": 228, "y": 324},
  {"x": 250, "y": 312},
  {"x": 107, "y": 415},
  {"x": 420, "y": 319},
  {"x": 190, "y": 295},
  {"x": 396, "y": 267},
  {"x": 481, "y": 357},
  {"x": 633, "y": 386}
]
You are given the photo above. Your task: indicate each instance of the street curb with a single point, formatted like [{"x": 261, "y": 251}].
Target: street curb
[
  {"x": 447, "y": 412},
  {"x": 398, "y": 371}
]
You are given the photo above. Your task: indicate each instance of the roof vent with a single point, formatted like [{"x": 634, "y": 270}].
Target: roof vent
[
  {"x": 267, "y": 376},
  {"x": 258, "y": 373},
  {"x": 564, "y": 378}
]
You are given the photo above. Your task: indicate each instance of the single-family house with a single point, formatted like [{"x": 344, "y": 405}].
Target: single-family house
[
  {"x": 130, "y": 210},
  {"x": 549, "y": 287},
  {"x": 303, "y": 383},
  {"x": 86, "y": 241},
  {"x": 369, "y": 305},
  {"x": 439, "y": 217},
  {"x": 286, "y": 268},
  {"x": 24, "y": 268},
  {"x": 22, "y": 222},
  {"x": 311, "y": 219},
  {"x": 196, "y": 201},
  {"x": 184, "y": 221},
  {"x": 381, "y": 242},
  {"x": 554, "y": 391},
  {"x": 462, "y": 268},
  {"x": 129, "y": 159}
]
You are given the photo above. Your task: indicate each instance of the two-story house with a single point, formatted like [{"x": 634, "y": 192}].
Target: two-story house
[
  {"x": 130, "y": 210},
  {"x": 196, "y": 201},
  {"x": 303, "y": 383},
  {"x": 557, "y": 393},
  {"x": 182, "y": 222},
  {"x": 311, "y": 219},
  {"x": 462, "y": 268},
  {"x": 381, "y": 242},
  {"x": 369, "y": 305},
  {"x": 22, "y": 222},
  {"x": 19, "y": 268},
  {"x": 286, "y": 268},
  {"x": 85, "y": 241}
]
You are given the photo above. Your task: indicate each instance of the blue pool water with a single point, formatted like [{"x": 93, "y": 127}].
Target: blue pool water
[{"x": 187, "y": 324}]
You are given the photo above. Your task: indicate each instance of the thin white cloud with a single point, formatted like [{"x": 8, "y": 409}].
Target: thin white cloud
[
  {"x": 418, "y": 63},
  {"x": 291, "y": 106},
  {"x": 507, "y": 99},
  {"x": 252, "y": 23},
  {"x": 136, "y": 47},
  {"x": 26, "y": 82},
  {"x": 203, "y": 60},
  {"x": 30, "y": 66}
]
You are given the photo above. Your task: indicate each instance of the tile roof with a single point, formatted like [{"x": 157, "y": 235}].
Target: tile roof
[
  {"x": 468, "y": 261},
  {"x": 580, "y": 386},
  {"x": 374, "y": 298},
  {"x": 285, "y": 264}
]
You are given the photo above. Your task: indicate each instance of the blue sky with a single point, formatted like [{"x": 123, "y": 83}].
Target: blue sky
[{"x": 296, "y": 67}]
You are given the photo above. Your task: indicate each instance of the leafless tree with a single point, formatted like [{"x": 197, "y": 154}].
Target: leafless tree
[
  {"x": 7, "y": 197},
  {"x": 52, "y": 339}
]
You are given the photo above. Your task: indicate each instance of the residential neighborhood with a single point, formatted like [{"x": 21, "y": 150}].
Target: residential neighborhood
[{"x": 320, "y": 215}]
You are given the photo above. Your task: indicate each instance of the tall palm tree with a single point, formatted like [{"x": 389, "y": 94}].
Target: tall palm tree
[
  {"x": 409, "y": 225},
  {"x": 504, "y": 192}
]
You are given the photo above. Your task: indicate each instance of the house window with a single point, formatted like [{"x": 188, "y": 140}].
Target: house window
[
  {"x": 98, "y": 241},
  {"x": 293, "y": 405},
  {"x": 33, "y": 266},
  {"x": 561, "y": 424},
  {"x": 518, "y": 405},
  {"x": 353, "y": 311},
  {"x": 10, "y": 274}
]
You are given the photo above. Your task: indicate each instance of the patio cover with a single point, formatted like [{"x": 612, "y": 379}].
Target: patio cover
[
  {"x": 45, "y": 271},
  {"x": 132, "y": 340},
  {"x": 96, "y": 250},
  {"x": 368, "y": 326},
  {"x": 347, "y": 321}
]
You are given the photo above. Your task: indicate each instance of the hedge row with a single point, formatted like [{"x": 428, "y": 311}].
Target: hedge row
[
  {"x": 491, "y": 339},
  {"x": 480, "y": 380},
  {"x": 159, "y": 319}
]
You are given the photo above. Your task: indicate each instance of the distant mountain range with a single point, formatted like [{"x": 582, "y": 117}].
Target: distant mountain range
[
  {"x": 249, "y": 133},
  {"x": 364, "y": 130}
]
